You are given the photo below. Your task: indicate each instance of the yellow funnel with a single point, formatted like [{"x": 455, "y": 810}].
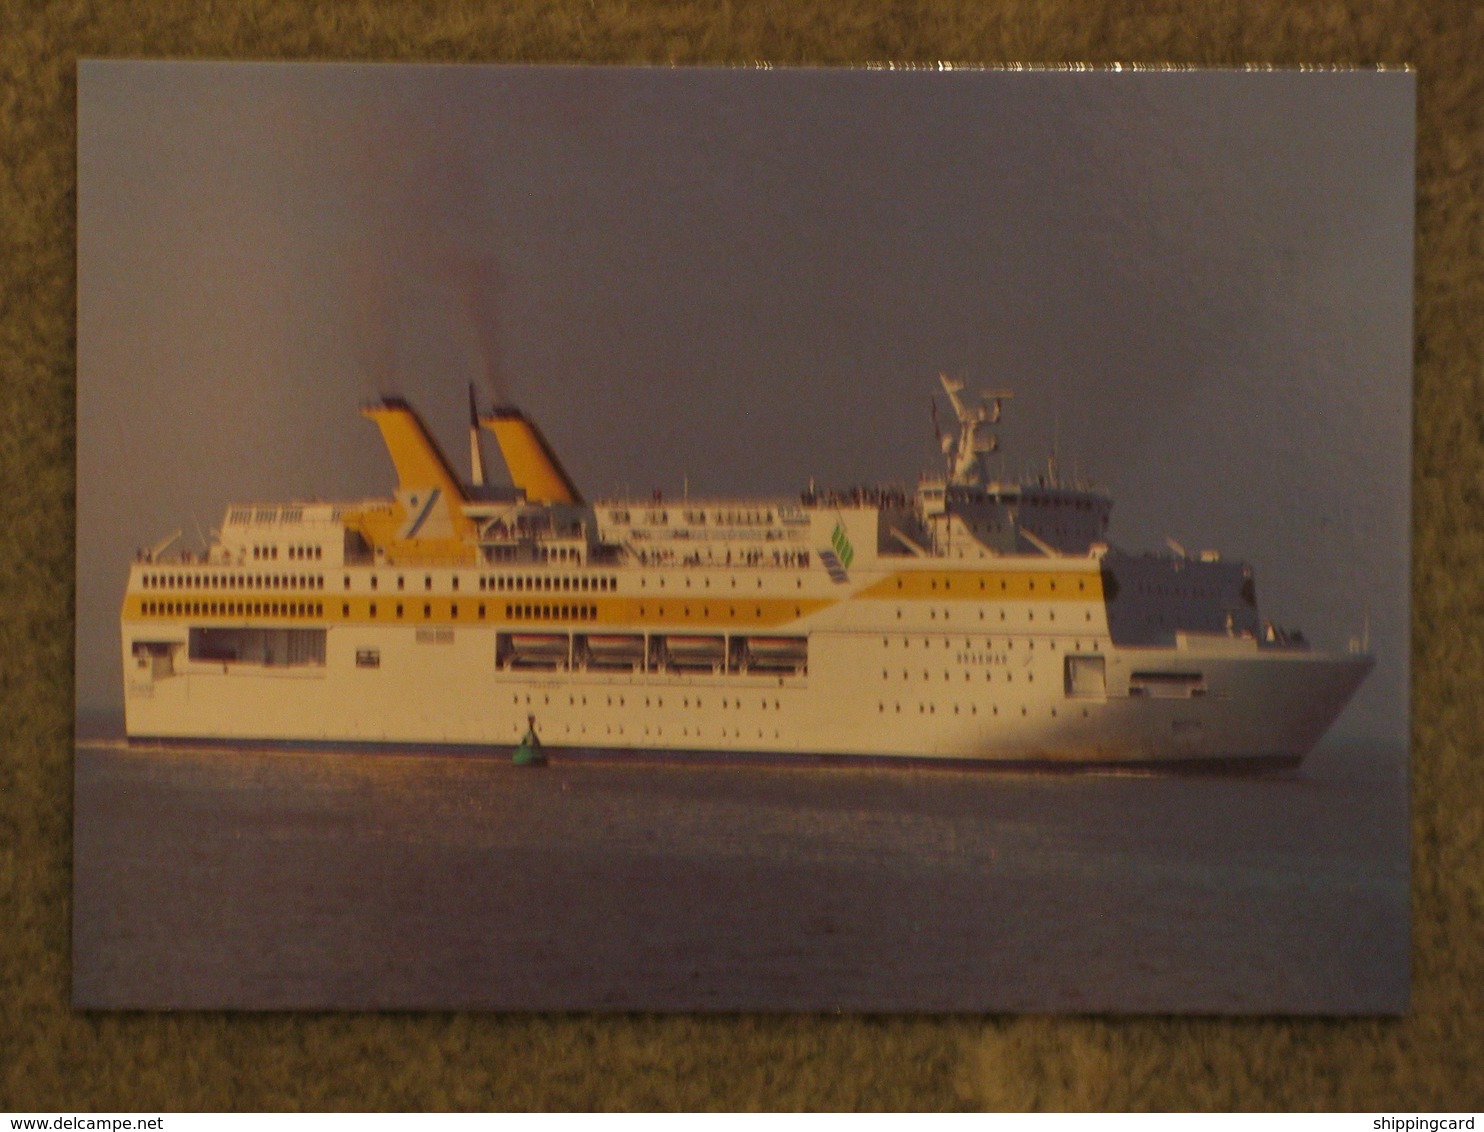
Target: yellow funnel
[
  {"x": 419, "y": 461},
  {"x": 534, "y": 467}
]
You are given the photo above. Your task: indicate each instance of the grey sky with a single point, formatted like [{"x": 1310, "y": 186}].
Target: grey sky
[{"x": 1198, "y": 285}]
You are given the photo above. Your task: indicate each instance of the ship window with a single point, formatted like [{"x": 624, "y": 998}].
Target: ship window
[
  {"x": 373, "y": 581},
  {"x": 1166, "y": 684},
  {"x": 399, "y": 609},
  {"x": 456, "y": 583},
  {"x": 401, "y": 582},
  {"x": 275, "y": 648},
  {"x": 427, "y": 611},
  {"x": 427, "y": 581}
]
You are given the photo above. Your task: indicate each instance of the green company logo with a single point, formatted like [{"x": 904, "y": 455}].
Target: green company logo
[{"x": 841, "y": 542}]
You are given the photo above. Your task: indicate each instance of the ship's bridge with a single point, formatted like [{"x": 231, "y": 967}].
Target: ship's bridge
[{"x": 1012, "y": 518}]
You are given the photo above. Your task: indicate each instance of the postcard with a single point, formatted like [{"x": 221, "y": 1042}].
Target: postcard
[{"x": 715, "y": 539}]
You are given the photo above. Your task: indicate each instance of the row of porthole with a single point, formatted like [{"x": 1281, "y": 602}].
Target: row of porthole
[
  {"x": 515, "y": 583},
  {"x": 558, "y": 612},
  {"x": 757, "y": 611},
  {"x": 1004, "y": 584},
  {"x": 1009, "y": 643},
  {"x": 685, "y": 732},
  {"x": 233, "y": 582},
  {"x": 658, "y": 701},
  {"x": 643, "y": 582},
  {"x": 427, "y": 610},
  {"x": 565, "y": 584},
  {"x": 932, "y": 709},
  {"x": 233, "y": 609},
  {"x": 1030, "y": 615},
  {"x": 1030, "y": 677}
]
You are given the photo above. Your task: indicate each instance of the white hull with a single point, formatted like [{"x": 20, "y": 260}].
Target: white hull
[{"x": 1268, "y": 706}]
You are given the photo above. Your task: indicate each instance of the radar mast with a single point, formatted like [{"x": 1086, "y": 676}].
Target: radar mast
[{"x": 966, "y": 454}]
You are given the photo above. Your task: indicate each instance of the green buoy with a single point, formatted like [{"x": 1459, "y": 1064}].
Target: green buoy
[{"x": 529, "y": 753}]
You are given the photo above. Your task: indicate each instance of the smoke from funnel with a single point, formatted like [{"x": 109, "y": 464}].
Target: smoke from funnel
[
  {"x": 425, "y": 273},
  {"x": 477, "y": 283},
  {"x": 373, "y": 325}
]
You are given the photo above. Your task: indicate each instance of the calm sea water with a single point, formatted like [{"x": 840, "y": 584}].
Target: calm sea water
[{"x": 307, "y": 879}]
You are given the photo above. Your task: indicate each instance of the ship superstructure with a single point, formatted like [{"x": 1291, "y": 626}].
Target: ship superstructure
[{"x": 966, "y": 618}]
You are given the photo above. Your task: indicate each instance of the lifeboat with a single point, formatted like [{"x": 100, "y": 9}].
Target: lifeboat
[{"x": 696, "y": 652}]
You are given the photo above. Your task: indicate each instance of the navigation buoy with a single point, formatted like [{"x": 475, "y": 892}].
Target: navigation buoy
[{"x": 529, "y": 753}]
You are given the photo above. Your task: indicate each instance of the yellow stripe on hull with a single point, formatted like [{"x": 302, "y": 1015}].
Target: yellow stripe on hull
[{"x": 987, "y": 585}]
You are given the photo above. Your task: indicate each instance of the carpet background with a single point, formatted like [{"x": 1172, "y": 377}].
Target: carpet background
[{"x": 55, "y": 1060}]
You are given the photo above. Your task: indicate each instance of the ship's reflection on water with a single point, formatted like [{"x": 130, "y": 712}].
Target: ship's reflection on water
[{"x": 294, "y": 879}]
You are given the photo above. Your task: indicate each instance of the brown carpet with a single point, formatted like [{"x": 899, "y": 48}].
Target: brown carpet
[{"x": 55, "y": 1060}]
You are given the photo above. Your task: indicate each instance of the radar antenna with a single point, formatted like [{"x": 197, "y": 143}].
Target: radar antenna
[{"x": 965, "y": 455}]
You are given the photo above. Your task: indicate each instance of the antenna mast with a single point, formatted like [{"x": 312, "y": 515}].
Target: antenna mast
[
  {"x": 966, "y": 455},
  {"x": 476, "y": 460}
]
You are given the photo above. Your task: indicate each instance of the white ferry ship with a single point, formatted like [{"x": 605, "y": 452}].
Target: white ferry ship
[{"x": 965, "y": 619}]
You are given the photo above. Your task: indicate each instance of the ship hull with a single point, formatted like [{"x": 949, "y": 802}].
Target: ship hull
[{"x": 862, "y": 695}]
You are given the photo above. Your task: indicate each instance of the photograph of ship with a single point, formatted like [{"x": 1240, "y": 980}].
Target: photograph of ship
[{"x": 943, "y": 533}]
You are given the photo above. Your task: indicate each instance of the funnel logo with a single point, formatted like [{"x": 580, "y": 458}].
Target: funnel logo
[
  {"x": 836, "y": 561},
  {"x": 841, "y": 542}
]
